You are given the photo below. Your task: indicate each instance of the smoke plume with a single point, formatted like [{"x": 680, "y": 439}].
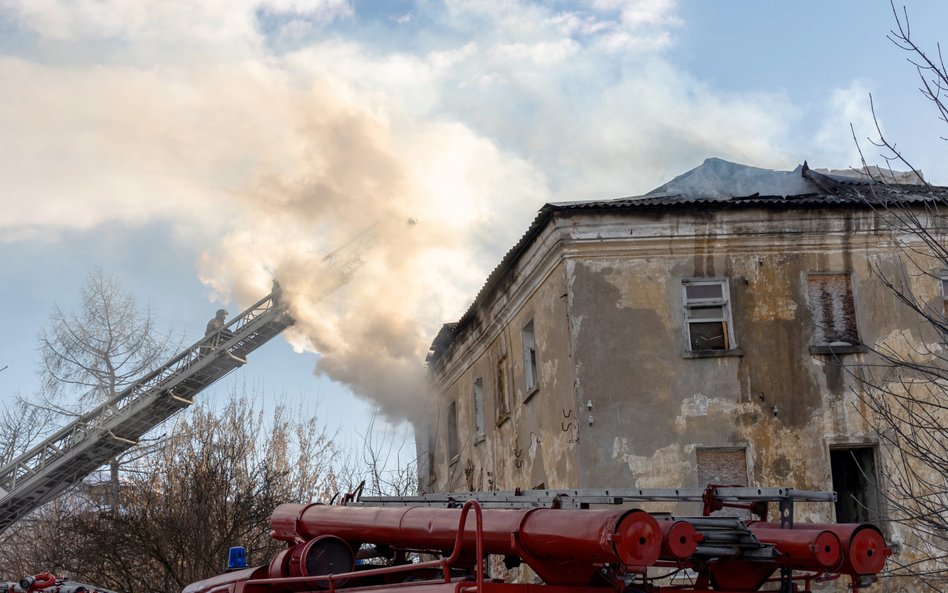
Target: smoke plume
[
  {"x": 377, "y": 164},
  {"x": 370, "y": 233}
]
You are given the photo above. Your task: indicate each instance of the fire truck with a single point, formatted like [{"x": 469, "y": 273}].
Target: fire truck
[{"x": 574, "y": 541}]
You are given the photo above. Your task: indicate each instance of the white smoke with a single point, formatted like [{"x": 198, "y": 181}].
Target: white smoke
[
  {"x": 398, "y": 205},
  {"x": 269, "y": 139}
]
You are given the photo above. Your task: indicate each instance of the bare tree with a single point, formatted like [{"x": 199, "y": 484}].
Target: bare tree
[
  {"x": 92, "y": 353},
  {"x": 101, "y": 347},
  {"x": 21, "y": 426},
  {"x": 389, "y": 463},
  {"x": 905, "y": 386},
  {"x": 187, "y": 500}
]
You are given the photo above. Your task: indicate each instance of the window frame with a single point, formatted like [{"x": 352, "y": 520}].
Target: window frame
[
  {"x": 531, "y": 365},
  {"x": 689, "y": 304},
  {"x": 454, "y": 436},
  {"x": 942, "y": 276},
  {"x": 873, "y": 485},
  {"x": 502, "y": 393},
  {"x": 480, "y": 431},
  {"x": 431, "y": 442}
]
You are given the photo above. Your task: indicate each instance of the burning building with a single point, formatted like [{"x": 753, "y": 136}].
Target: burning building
[{"x": 714, "y": 330}]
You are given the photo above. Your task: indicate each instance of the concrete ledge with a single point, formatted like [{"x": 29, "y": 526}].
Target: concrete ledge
[
  {"x": 838, "y": 349},
  {"x": 712, "y": 353}
]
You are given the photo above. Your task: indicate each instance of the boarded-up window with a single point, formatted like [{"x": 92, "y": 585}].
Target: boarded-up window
[
  {"x": 707, "y": 314},
  {"x": 454, "y": 443},
  {"x": 854, "y": 481},
  {"x": 478, "y": 409},
  {"x": 726, "y": 467},
  {"x": 833, "y": 309}
]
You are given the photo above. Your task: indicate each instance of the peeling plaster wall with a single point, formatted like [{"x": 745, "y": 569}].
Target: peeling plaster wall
[
  {"x": 621, "y": 402},
  {"x": 527, "y": 447},
  {"x": 654, "y": 406}
]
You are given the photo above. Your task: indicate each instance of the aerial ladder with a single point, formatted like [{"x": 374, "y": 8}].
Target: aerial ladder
[
  {"x": 115, "y": 426},
  {"x": 92, "y": 439}
]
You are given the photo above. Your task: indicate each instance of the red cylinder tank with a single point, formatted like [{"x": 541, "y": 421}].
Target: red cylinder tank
[
  {"x": 863, "y": 547},
  {"x": 679, "y": 539},
  {"x": 806, "y": 548},
  {"x": 563, "y": 546}
]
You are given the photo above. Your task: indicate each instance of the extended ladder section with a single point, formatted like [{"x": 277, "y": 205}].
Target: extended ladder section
[
  {"x": 80, "y": 448},
  {"x": 721, "y": 536},
  {"x": 583, "y": 498}
]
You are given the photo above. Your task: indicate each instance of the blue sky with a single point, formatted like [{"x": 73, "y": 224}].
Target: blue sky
[{"x": 195, "y": 148}]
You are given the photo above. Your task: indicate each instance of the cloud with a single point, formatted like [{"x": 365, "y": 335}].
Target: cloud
[{"x": 442, "y": 135}]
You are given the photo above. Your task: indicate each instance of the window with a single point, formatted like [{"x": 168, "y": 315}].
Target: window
[
  {"x": 502, "y": 400},
  {"x": 943, "y": 278},
  {"x": 430, "y": 457},
  {"x": 478, "y": 410},
  {"x": 529, "y": 357},
  {"x": 833, "y": 310},
  {"x": 854, "y": 480},
  {"x": 708, "y": 314},
  {"x": 454, "y": 443}
]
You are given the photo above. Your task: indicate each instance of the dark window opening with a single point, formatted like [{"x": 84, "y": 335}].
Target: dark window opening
[
  {"x": 479, "y": 410},
  {"x": 430, "y": 457},
  {"x": 944, "y": 292},
  {"x": 529, "y": 357},
  {"x": 502, "y": 400},
  {"x": 708, "y": 336},
  {"x": 454, "y": 443},
  {"x": 854, "y": 480}
]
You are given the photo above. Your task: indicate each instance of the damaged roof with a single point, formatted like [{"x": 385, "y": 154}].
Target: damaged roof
[{"x": 720, "y": 184}]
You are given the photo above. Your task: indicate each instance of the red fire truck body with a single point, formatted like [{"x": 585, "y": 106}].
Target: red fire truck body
[{"x": 567, "y": 538}]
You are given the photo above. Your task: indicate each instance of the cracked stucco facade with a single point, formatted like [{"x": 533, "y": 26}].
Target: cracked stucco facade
[{"x": 620, "y": 401}]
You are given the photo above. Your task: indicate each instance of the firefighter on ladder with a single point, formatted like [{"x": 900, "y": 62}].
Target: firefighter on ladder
[{"x": 214, "y": 328}]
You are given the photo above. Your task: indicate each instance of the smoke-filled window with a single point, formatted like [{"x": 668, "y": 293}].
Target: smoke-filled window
[
  {"x": 529, "y": 357},
  {"x": 478, "y": 410}
]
